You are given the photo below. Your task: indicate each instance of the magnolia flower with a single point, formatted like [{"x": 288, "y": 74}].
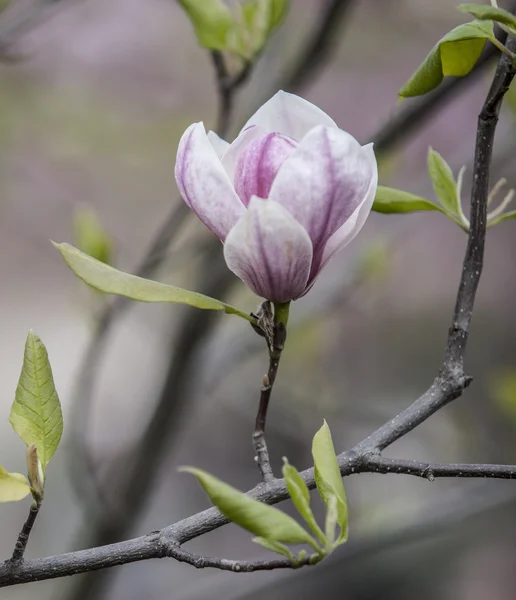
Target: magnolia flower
[{"x": 284, "y": 197}]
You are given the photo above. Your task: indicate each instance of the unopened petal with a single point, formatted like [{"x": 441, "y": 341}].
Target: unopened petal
[
  {"x": 219, "y": 145},
  {"x": 324, "y": 181},
  {"x": 346, "y": 233},
  {"x": 289, "y": 114},
  {"x": 259, "y": 164},
  {"x": 269, "y": 251},
  {"x": 232, "y": 154},
  {"x": 204, "y": 184}
]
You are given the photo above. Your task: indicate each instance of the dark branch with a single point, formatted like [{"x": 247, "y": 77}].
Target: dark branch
[
  {"x": 430, "y": 471},
  {"x": 166, "y": 542},
  {"x": 451, "y": 381},
  {"x": 23, "y": 537},
  {"x": 236, "y": 566}
]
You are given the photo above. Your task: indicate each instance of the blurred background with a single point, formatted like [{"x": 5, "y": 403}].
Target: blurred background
[{"x": 94, "y": 95}]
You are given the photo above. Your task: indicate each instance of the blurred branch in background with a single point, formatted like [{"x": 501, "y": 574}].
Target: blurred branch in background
[
  {"x": 20, "y": 18},
  {"x": 321, "y": 45}
]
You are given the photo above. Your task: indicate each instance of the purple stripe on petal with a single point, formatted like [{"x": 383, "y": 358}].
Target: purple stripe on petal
[
  {"x": 230, "y": 158},
  {"x": 323, "y": 182},
  {"x": 259, "y": 164},
  {"x": 204, "y": 184},
  {"x": 269, "y": 251},
  {"x": 347, "y": 232}
]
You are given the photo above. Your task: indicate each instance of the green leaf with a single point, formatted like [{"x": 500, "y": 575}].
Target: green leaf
[
  {"x": 36, "y": 411},
  {"x": 279, "y": 9},
  {"x": 258, "y": 518},
  {"x": 330, "y": 525},
  {"x": 503, "y": 391},
  {"x": 443, "y": 181},
  {"x": 259, "y": 19},
  {"x": 389, "y": 200},
  {"x": 91, "y": 237},
  {"x": 13, "y": 486},
  {"x": 274, "y": 547},
  {"x": 485, "y": 12},
  {"x": 503, "y": 217},
  {"x": 328, "y": 477},
  {"x": 301, "y": 498},
  {"x": 455, "y": 54},
  {"x": 211, "y": 20},
  {"x": 106, "y": 279}
]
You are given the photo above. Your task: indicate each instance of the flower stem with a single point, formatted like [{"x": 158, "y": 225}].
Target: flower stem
[{"x": 275, "y": 344}]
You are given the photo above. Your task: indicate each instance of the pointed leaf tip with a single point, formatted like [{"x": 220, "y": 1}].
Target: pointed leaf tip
[
  {"x": 36, "y": 411},
  {"x": 454, "y": 55},
  {"x": 444, "y": 183},
  {"x": 107, "y": 279},
  {"x": 328, "y": 477},
  {"x": 260, "y": 519}
]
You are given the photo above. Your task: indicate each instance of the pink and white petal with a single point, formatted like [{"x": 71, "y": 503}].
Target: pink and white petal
[
  {"x": 323, "y": 182},
  {"x": 347, "y": 232},
  {"x": 204, "y": 183},
  {"x": 219, "y": 145},
  {"x": 230, "y": 157},
  {"x": 269, "y": 251},
  {"x": 289, "y": 114}
]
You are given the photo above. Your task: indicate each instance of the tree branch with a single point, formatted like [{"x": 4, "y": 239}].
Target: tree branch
[
  {"x": 23, "y": 537},
  {"x": 430, "y": 471}
]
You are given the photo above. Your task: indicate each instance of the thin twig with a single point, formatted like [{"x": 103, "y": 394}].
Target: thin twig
[
  {"x": 23, "y": 537},
  {"x": 236, "y": 566},
  {"x": 276, "y": 334},
  {"x": 430, "y": 471}
]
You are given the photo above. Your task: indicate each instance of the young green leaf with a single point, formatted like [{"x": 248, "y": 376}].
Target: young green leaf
[
  {"x": 301, "y": 498},
  {"x": 485, "y": 12},
  {"x": 259, "y": 19},
  {"x": 92, "y": 238},
  {"x": 328, "y": 477},
  {"x": 13, "y": 486},
  {"x": 211, "y": 20},
  {"x": 331, "y": 521},
  {"x": 455, "y": 54},
  {"x": 503, "y": 217},
  {"x": 36, "y": 411},
  {"x": 389, "y": 200},
  {"x": 106, "y": 279},
  {"x": 258, "y": 518},
  {"x": 444, "y": 183},
  {"x": 274, "y": 547}
]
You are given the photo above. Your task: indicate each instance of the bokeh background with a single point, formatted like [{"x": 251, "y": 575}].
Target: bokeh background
[{"x": 94, "y": 95}]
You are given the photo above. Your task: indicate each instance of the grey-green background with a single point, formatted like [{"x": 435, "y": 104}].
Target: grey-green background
[{"x": 91, "y": 111}]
